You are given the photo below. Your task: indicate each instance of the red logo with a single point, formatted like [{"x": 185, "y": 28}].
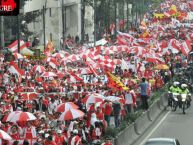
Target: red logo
[{"x": 7, "y": 5}]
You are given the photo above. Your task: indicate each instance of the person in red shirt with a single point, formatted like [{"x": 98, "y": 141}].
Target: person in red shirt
[
  {"x": 59, "y": 138},
  {"x": 99, "y": 114},
  {"x": 14, "y": 132},
  {"x": 50, "y": 141},
  {"x": 107, "y": 111},
  {"x": 6, "y": 127},
  {"x": 158, "y": 82},
  {"x": 29, "y": 131},
  {"x": 75, "y": 139}
]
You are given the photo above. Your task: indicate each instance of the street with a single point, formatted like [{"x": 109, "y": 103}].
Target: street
[{"x": 171, "y": 125}]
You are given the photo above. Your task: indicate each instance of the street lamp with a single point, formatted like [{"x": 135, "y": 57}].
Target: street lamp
[
  {"x": 82, "y": 19},
  {"x": 44, "y": 23},
  {"x": 96, "y": 4},
  {"x": 2, "y": 34},
  {"x": 18, "y": 28},
  {"x": 63, "y": 21}
]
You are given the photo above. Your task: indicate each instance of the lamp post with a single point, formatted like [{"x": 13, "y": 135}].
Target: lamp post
[
  {"x": 82, "y": 19},
  {"x": 96, "y": 4},
  {"x": 18, "y": 33},
  {"x": 95, "y": 22},
  {"x": 115, "y": 5},
  {"x": 63, "y": 25},
  {"x": 44, "y": 23},
  {"x": 63, "y": 12},
  {"x": 2, "y": 34},
  {"x": 44, "y": 27}
]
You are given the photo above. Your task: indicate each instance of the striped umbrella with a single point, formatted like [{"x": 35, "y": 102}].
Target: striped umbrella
[
  {"x": 9, "y": 116},
  {"x": 66, "y": 106},
  {"x": 4, "y": 135},
  {"x": 23, "y": 117},
  {"x": 71, "y": 114}
]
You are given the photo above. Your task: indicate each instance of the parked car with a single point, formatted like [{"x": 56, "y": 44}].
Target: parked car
[{"x": 162, "y": 141}]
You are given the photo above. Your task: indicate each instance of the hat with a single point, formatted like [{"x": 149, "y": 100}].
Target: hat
[
  {"x": 41, "y": 131},
  {"x": 59, "y": 131},
  {"x": 2, "y": 103},
  {"x": 46, "y": 135},
  {"x": 75, "y": 131},
  {"x": 184, "y": 85}
]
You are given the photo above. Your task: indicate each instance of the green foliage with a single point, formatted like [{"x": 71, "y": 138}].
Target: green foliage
[
  {"x": 10, "y": 23},
  {"x": 111, "y": 132}
]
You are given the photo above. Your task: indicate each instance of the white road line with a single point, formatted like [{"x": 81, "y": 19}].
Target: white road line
[{"x": 154, "y": 129}]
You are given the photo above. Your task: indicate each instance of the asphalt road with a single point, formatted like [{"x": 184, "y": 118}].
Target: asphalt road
[{"x": 172, "y": 125}]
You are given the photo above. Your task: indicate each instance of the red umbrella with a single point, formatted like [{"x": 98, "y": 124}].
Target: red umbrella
[
  {"x": 23, "y": 117},
  {"x": 93, "y": 98},
  {"x": 66, "y": 106},
  {"x": 29, "y": 95},
  {"x": 4, "y": 135},
  {"x": 71, "y": 114}
]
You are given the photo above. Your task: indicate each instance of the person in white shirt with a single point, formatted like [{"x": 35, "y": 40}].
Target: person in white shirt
[
  {"x": 128, "y": 102},
  {"x": 52, "y": 106}
]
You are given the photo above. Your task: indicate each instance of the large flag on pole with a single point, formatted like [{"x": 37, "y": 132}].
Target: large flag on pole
[
  {"x": 186, "y": 47},
  {"x": 13, "y": 47},
  {"x": 115, "y": 83},
  {"x": 14, "y": 69}
]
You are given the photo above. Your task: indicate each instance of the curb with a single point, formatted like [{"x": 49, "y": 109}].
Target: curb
[{"x": 133, "y": 132}]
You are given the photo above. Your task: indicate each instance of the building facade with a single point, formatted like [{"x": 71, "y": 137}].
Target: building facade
[{"x": 53, "y": 19}]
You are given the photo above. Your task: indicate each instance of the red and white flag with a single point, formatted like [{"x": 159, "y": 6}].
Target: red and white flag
[
  {"x": 14, "y": 46},
  {"x": 186, "y": 47},
  {"x": 74, "y": 78},
  {"x": 14, "y": 69},
  {"x": 124, "y": 38},
  {"x": 175, "y": 44}
]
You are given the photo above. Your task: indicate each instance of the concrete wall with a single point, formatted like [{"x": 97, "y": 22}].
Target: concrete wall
[{"x": 89, "y": 22}]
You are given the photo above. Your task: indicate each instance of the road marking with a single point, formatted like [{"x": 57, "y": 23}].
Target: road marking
[{"x": 154, "y": 129}]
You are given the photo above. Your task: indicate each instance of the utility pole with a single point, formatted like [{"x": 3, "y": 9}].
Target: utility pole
[
  {"x": 44, "y": 27},
  {"x": 95, "y": 5},
  {"x": 2, "y": 34},
  {"x": 18, "y": 32},
  {"x": 82, "y": 20},
  {"x": 127, "y": 16},
  {"x": 63, "y": 24},
  {"x": 115, "y": 5}
]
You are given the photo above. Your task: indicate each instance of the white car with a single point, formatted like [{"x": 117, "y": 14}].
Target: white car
[{"x": 162, "y": 141}]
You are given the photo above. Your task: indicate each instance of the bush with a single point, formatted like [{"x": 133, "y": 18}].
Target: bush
[{"x": 111, "y": 132}]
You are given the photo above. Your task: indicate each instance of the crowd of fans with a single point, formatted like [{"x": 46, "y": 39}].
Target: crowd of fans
[{"x": 49, "y": 92}]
